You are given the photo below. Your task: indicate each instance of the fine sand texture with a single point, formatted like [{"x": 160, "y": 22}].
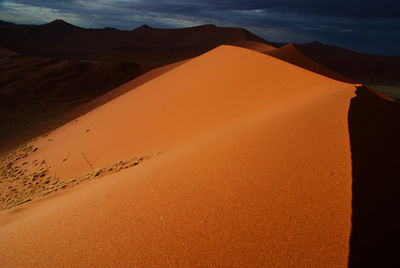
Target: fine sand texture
[{"x": 248, "y": 164}]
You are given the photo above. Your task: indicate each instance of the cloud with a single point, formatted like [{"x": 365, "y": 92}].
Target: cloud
[{"x": 363, "y": 25}]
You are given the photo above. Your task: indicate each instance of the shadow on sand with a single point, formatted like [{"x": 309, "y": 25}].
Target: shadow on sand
[{"x": 374, "y": 128}]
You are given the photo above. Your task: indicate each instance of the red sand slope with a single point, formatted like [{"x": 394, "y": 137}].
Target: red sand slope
[
  {"x": 291, "y": 54},
  {"x": 255, "y": 170},
  {"x": 132, "y": 84}
]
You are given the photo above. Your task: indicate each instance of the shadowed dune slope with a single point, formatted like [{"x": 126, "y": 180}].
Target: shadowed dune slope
[
  {"x": 379, "y": 72},
  {"x": 374, "y": 128},
  {"x": 291, "y": 54},
  {"x": 5, "y": 52},
  {"x": 37, "y": 93},
  {"x": 254, "y": 170}
]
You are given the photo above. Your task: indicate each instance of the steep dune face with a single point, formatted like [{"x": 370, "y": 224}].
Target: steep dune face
[
  {"x": 374, "y": 130},
  {"x": 254, "y": 170}
]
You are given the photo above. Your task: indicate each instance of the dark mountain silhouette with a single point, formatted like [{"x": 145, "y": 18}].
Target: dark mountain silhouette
[
  {"x": 57, "y": 25},
  {"x": 144, "y": 45}
]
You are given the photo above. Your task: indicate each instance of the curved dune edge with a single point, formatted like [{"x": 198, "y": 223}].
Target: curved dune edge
[{"x": 256, "y": 171}]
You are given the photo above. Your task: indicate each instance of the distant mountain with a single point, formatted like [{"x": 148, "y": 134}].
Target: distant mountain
[
  {"x": 59, "y": 25},
  {"x": 144, "y": 45}
]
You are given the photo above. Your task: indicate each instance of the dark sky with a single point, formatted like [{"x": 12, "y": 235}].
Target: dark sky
[{"x": 361, "y": 25}]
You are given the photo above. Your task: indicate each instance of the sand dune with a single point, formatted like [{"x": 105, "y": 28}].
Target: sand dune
[
  {"x": 157, "y": 105},
  {"x": 36, "y": 94},
  {"x": 378, "y": 72},
  {"x": 61, "y": 66},
  {"x": 291, "y": 54},
  {"x": 254, "y": 169},
  {"x": 130, "y": 85}
]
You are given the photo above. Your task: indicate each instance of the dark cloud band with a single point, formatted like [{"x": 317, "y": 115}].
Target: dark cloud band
[{"x": 363, "y": 25}]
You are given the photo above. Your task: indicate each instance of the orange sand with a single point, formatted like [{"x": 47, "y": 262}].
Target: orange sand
[{"x": 255, "y": 170}]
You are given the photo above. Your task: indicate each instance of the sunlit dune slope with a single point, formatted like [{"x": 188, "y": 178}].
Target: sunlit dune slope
[
  {"x": 220, "y": 88},
  {"x": 254, "y": 169}
]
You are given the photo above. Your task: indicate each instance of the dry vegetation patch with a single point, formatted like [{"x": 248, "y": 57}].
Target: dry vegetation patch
[{"x": 18, "y": 185}]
